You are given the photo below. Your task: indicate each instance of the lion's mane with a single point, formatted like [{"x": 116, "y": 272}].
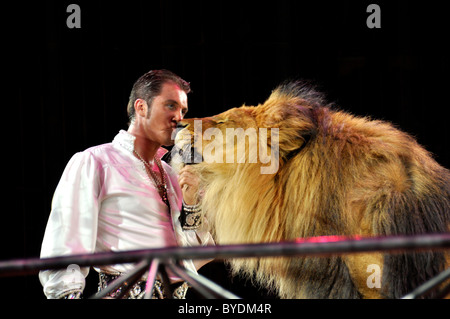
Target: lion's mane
[{"x": 338, "y": 175}]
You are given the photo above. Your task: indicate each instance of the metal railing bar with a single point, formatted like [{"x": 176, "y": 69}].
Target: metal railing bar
[
  {"x": 125, "y": 280},
  {"x": 285, "y": 249},
  {"x": 428, "y": 285},
  {"x": 220, "y": 291},
  {"x": 166, "y": 282},
  {"x": 151, "y": 278},
  {"x": 180, "y": 272}
]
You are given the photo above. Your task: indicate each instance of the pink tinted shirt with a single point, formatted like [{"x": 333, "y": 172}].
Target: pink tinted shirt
[{"x": 105, "y": 201}]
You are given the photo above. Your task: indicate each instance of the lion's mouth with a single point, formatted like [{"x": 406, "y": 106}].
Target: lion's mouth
[
  {"x": 188, "y": 155},
  {"x": 183, "y": 152}
]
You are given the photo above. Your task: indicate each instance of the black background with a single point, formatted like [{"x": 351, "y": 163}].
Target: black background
[{"x": 65, "y": 90}]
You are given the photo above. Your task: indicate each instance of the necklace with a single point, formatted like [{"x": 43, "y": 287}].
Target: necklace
[{"x": 160, "y": 183}]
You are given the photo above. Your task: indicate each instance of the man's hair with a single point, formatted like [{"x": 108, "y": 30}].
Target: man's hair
[{"x": 149, "y": 85}]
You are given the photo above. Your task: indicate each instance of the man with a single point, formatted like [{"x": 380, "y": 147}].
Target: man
[{"x": 120, "y": 196}]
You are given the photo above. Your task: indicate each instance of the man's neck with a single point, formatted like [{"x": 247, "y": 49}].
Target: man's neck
[{"x": 145, "y": 147}]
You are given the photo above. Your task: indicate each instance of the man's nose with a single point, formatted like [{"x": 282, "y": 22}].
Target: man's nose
[{"x": 178, "y": 116}]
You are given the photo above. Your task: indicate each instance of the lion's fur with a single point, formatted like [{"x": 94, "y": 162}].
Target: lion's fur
[{"x": 338, "y": 175}]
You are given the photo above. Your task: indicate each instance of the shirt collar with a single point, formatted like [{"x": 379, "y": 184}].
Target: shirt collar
[{"x": 126, "y": 140}]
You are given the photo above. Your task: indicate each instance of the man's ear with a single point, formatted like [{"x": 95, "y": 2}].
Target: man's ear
[{"x": 141, "y": 107}]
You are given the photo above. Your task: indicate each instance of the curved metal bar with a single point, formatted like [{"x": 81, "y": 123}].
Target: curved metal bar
[
  {"x": 166, "y": 282},
  {"x": 309, "y": 247},
  {"x": 180, "y": 272},
  {"x": 212, "y": 286},
  {"x": 151, "y": 278},
  {"x": 126, "y": 280},
  {"x": 429, "y": 285},
  {"x": 316, "y": 246}
]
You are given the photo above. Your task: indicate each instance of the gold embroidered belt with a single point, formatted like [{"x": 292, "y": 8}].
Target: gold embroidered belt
[{"x": 137, "y": 291}]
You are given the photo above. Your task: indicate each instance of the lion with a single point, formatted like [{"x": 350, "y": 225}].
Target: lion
[{"x": 334, "y": 174}]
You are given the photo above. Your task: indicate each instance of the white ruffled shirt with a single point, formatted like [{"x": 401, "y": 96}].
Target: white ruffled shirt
[{"x": 105, "y": 201}]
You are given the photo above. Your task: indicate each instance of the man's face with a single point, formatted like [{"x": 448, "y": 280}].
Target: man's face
[{"x": 166, "y": 111}]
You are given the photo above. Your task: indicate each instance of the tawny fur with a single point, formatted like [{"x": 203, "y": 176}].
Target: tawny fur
[{"x": 338, "y": 175}]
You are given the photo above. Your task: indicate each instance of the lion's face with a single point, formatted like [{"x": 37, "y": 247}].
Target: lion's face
[
  {"x": 261, "y": 135},
  {"x": 242, "y": 117},
  {"x": 232, "y": 137}
]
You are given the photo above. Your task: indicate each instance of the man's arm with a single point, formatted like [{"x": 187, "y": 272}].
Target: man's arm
[{"x": 72, "y": 225}]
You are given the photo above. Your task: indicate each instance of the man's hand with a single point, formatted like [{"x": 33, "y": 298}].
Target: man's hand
[{"x": 189, "y": 183}]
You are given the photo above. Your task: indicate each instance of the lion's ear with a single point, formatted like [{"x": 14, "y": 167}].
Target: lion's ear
[
  {"x": 291, "y": 108},
  {"x": 290, "y": 101}
]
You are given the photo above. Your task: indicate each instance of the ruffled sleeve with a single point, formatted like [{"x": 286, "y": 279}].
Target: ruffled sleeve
[{"x": 72, "y": 224}]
